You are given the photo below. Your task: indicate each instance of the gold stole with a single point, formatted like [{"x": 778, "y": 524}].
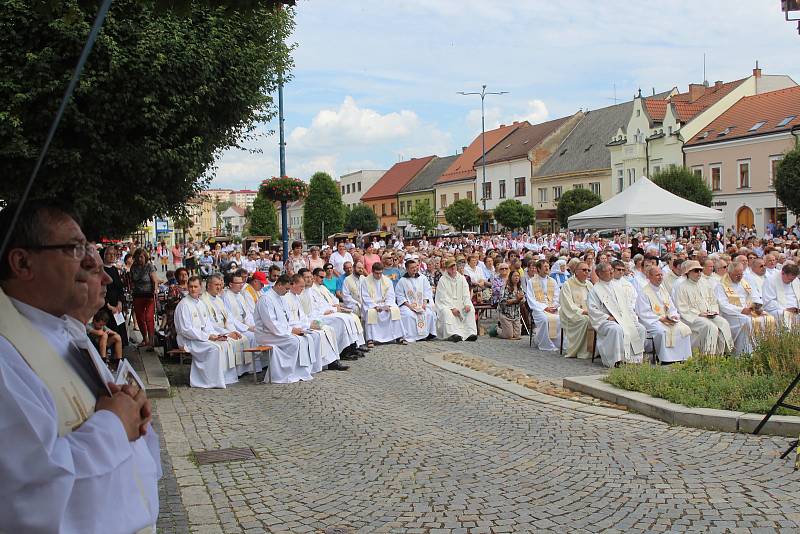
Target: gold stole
[
  {"x": 330, "y": 299},
  {"x": 733, "y": 298},
  {"x": 579, "y": 293},
  {"x": 683, "y": 330},
  {"x": 372, "y": 313},
  {"x": 73, "y": 399},
  {"x": 252, "y": 292},
  {"x": 417, "y": 298},
  {"x": 547, "y": 300}
]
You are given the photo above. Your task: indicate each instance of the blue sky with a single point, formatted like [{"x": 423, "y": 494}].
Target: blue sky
[{"x": 376, "y": 81}]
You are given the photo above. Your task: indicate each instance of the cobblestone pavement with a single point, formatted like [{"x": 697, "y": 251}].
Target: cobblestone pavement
[{"x": 398, "y": 445}]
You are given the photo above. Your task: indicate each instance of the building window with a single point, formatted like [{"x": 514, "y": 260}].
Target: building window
[
  {"x": 383, "y": 210},
  {"x": 698, "y": 171},
  {"x": 343, "y": 190},
  {"x": 519, "y": 187},
  {"x": 716, "y": 177},
  {"x": 359, "y": 187},
  {"x": 657, "y": 169},
  {"x": 744, "y": 174},
  {"x": 402, "y": 208},
  {"x": 455, "y": 197},
  {"x": 469, "y": 195},
  {"x": 557, "y": 189},
  {"x": 542, "y": 194},
  {"x": 487, "y": 191},
  {"x": 595, "y": 187},
  {"x": 774, "y": 161},
  {"x": 501, "y": 192},
  {"x": 620, "y": 180},
  {"x": 348, "y": 188},
  {"x": 443, "y": 200},
  {"x": 375, "y": 209},
  {"x": 408, "y": 205},
  {"x": 394, "y": 211},
  {"x": 577, "y": 186}
]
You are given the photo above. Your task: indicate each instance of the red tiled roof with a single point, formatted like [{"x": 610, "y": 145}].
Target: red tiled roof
[
  {"x": 771, "y": 108},
  {"x": 656, "y": 108},
  {"x": 687, "y": 109},
  {"x": 524, "y": 138},
  {"x": 238, "y": 209},
  {"x": 396, "y": 178},
  {"x": 245, "y": 191},
  {"x": 464, "y": 166}
]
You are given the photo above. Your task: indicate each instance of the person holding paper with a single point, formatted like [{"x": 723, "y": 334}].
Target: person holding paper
[
  {"x": 381, "y": 314},
  {"x": 660, "y": 317},
  {"x": 415, "y": 299},
  {"x": 782, "y": 295},
  {"x": 454, "y": 304}
]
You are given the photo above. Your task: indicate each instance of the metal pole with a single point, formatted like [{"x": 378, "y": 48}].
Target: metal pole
[
  {"x": 282, "y": 156},
  {"x": 485, "y": 222}
]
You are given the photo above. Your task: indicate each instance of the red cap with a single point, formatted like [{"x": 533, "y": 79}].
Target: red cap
[{"x": 260, "y": 276}]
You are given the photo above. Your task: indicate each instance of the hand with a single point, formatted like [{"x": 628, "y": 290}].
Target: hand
[
  {"x": 456, "y": 312},
  {"x": 235, "y": 335},
  {"x": 747, "y": 311},
  {"x": 791, "y": 310},
  {"x": 585, "y": 312},
  {"x": 297, "y": 331},
  {"x": 467, "y": 309},
  {"x": 551, "y": 309},
  {"x": 328, "y": 312},
  {"x": 134, "y": 412},
  {"x": 147, "y": 410},
  {"x": 611, "y": 318}
]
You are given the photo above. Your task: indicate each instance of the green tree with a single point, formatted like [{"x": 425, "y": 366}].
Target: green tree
[
  {"x": 684, "y": 183},
  {"x": 787, "y": 180},
  {"x": 575, "y": 201},
  {"x": 513, "y": 214},
  {"x": 162, "y": 94},
  {"x": 262, "y": 218},
  {"x": 361, "y": 219},
  {"x": 462, "y": 214},
  {"x": 324, "y": 203},
  {"x": 423, "y": 217}
]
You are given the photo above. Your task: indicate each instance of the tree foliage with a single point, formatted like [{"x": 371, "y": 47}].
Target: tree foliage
[
  {"x": 575, "y": 201},
  {"x": 323, "y": 203},
  {"x": 684, "y": 183},
  {"x": 423, "y": 217},
  {"x": 787, "y": 180},
  {"x": 263, "y": 218},
  {"x": 462, "y": 214},
  {"x": 160, "y": 97},
  {"x": 513, "y": 214},
  {"x": 361, "y": 219}
]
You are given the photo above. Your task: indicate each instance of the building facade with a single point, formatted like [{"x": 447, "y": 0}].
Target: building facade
[
  {"x": 353, "y": 185},
  {"x": 233, "y": 221},
  {"x": 382, "y": 196},
  {"x": 421, "y": 189}
]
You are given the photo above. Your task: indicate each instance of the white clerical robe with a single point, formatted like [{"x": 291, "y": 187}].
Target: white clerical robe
[
  {"x": 755, "y": 281},
  {"x": 323, "y": 339},
  {"x": 542, "y": 293},
  {"x": 669, "y": 280},
  {"x": 779, "y": 297},
  {"x": 417, "y": 291},
  {"x": 733, "y": 298},
  {"x": 382, "y": 326},
  {"x": 90, "y": 479},
  {"x": 212, "y": 366},
  {"x": 292, "y": 356},
  {"x": 695, "y": 300},
  {"x": 620, "y": 340},
  {"x": 453, "y": 293},
  {"x": 577, "y": 328},
  {"x": 239, "y": 305},
  {"x": 351, "y": 293},
  {"x": 321, "y": 304},
  {"x": 226, "y": 322},
  {"x": 673, "y": 342}
]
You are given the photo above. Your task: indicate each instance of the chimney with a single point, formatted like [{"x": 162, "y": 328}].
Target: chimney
[
  {"x": 696, "y": 90},
  {"x": 463, "y": 149},
  {"x": 502, "y": 126},
  {"x": 757, "y": 71}
]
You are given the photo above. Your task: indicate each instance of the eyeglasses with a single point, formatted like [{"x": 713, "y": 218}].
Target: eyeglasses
[
  {"x": 587, "y": 270},
  {"x": 77, "y": 250}
]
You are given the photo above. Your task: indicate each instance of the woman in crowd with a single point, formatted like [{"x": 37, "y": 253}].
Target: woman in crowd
[
  {"x": 330, "y": 280},
  {"x": 499, "y": 282},
  {"x": 558, "y": 271},
  {"x": 314, "y": 261},
  {"x": 370, "y": 258},
  {"x": 509, "y": 308},
  {"x": 115, "y": 293},
  {"x": 145, "y": 285}
]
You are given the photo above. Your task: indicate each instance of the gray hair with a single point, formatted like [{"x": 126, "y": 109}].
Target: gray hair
[
  {"x": 602, "y": 267},
  {"x": 215, "y": 276}
]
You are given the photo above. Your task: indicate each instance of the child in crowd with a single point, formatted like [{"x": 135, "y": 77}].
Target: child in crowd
[{"x": 104, "y": 338}]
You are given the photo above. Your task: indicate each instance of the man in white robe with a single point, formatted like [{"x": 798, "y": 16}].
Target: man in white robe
[
  {"x": 239, "y": 335},
  {"x": 78, "y": 457},
  {"x": 542, "y": 295},
  {"x": 573, "y": 311},
  {"x": 213, "y": 361},
  {"x": 782, "y": 296},
  {"x": 319, "y": 303},
  {"x": 292, "y": 354},
  {"x": 619, "y": 270},
  {"x": 381, "y": 314},
  {"x": 237, "y": 302},
  {"x": 321, "y": 336},
  {"x": 415, "y": 299},
  {"x": 620, "y": 338},
  {"x": 699, "y": 310},
  {"x": 741, "y": 305},
  {"x": 454, "y": 306},
  {"x": 659, "y": 315},
  {"x": 671, "y": 276},
  {"x": 755, "y": 275},
  {"x": 351, "y": 289}
]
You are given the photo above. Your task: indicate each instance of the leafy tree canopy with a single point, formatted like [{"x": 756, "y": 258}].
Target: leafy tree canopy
[
  {"x": 323, "y": 203},
  {"x": 684, "y": 183},
  {"x": 423, "y": 217},
  {"x": 361, "y": 219},
  {"x": 462, "y": 214},
  {"x": 160, "y": 97},
  {"x": 514, "y": 214},
  {"x": 787, "y": 180},
  {"x": 263, "y": 218},
  {"x": 575, "y": 201}
]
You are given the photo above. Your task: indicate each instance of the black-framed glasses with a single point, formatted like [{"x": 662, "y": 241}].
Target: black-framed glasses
[{"x": 77, "y": 250}]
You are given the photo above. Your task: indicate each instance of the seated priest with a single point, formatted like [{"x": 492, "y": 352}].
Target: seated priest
[
  {"x": 697, "y": 304},
  {"x": 660, "y": 317},
  {"x": 213, "y": 358},
  {"x": 542, "y": 295},
  {"x": 454, "y": 305},
  {"x": 351, "y": 288},
  {"x": 237, "y": 300},
  {"x": 671, "y": 275},
  {"x": 320, "y": 303},
  {"x": 321, "y": 337},
  {"x": 755, "y": 275},
  {"x": 620, "y": 337},
  {"x": 292, "y": 353},
  {"x": 573, "y": 311},
  {"x": 415, "y": 299},
  {"x": 782, "y": 295},
  {"x": 381, "y": 314},
  {"x": 741, "y": 305},
  {"x": 239, "y": 335}
]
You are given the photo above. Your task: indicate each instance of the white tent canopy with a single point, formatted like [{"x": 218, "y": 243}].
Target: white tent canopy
[{"x": 644, "y": 205}]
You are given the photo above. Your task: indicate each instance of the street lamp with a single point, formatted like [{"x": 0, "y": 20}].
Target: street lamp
[{"x": 483, "y": 94}]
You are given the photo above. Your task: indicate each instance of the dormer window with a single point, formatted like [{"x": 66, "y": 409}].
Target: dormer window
[
  {"x": 756, "y": 126},
  {"x": 786, "y": 121},
  {"x": 726, "y": 131}
]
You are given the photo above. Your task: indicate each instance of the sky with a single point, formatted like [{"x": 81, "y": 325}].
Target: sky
[{"x": 376, "y": 81}]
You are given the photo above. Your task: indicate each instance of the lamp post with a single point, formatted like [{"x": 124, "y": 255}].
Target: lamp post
[{"x": 482, "y": 94}]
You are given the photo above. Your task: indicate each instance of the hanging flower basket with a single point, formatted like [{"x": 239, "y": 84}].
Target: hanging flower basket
[{"x": 284, "y": 188}]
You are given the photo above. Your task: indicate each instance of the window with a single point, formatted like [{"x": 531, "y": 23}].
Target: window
[
  {"x": 519, "y": 187},
  {"x": 716, "y": 177},
  {"x": 455, "y": 197},
  {"x": 744, "y": 174},
  {"x": 774, "y": 161},
  {"x": 375, "y": 209},
  {"x": 469, "y": 195},
  {"x": 620, "y": 180},
  {"x": 669, "y": 130},
  {"x": 402, "y": 208},
  {"x": 359, "y": 187},
  {"x": 487, "y": 190},
  {"x": 343, "y": 190},
  {"x": 657, "y": 169},
  {"x": 443, "y": 201},
  {"x": 595, "y": 187},
  {"x": 383, "y": 210},
  {"x": 726, "y": 131},
  {"x": 698, "y": 171},
  {"x": 502, "y": 190},
  {"x": 577, "y": 186},
  {"x": 786, "y": 121},
  {"x": 348, "y": 188},
  {"x": 557, "y": 192},
  {"x": 542, "y": 194},
  {"x": 408, "y": 205},
  {"x": 394, "y": 211},
  {"x": 756, "y": 126}
]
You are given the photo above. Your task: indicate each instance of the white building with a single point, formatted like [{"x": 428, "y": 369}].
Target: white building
[
  {"x": 355, "y": 184},
  {"x": 243, "y": 198},
  {"x": 294, "y": 215},
  {"x": 233, "y": 220}
]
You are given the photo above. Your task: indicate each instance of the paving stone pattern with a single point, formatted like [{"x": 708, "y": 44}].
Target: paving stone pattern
[{"x": 398, "y": 445}]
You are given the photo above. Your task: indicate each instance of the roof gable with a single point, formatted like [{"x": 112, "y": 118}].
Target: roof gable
[
  {"x": 463, "y": 167},
  {"x": 519, "y": 142},
  {"x": 396, "y": 178},
  {"x": 427, "y": 177}
]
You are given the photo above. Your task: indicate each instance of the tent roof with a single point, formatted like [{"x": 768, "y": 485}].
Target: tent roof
[{"x": 644, "y": 205}]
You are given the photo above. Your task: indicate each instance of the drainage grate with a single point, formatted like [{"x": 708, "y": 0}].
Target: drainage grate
[{"x": 224, "y": 455}]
